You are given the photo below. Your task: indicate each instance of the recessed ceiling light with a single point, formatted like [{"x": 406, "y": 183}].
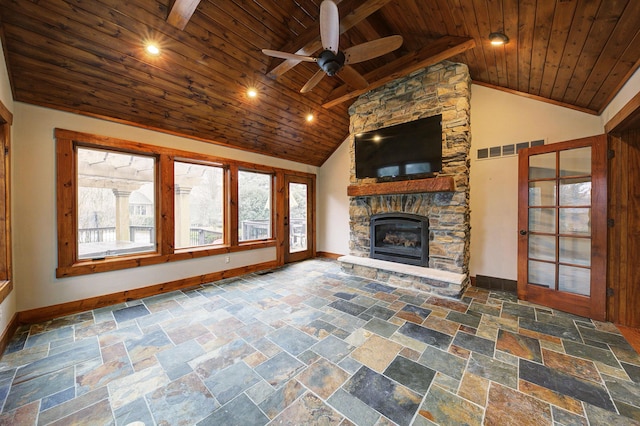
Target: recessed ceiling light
[
  {"x": 152, "y": 49},
  {"x": 310, "y": 118},
  {"x": 498, "y": 39},
  {"x": 252, "y": 93}
]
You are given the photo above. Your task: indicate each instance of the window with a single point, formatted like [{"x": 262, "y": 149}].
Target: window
[
  {"x": 6, "y": 285},
  {"x": 109, "y": 183},
  {"x": 124, "y": 204},
  {"x": 254, "y": 205},
  {"x": 199, "y": 205}
]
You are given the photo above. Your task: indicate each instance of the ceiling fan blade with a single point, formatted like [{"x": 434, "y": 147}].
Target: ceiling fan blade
[
  {"x": 329, "y": 25},
  {"x": 372, "y": 49},
  {"x": 352, "y": 77},
  {"x": 313, "y": 81},
  {"x": 285, "y": 55}
]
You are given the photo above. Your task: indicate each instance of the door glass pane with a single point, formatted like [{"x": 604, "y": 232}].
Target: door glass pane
[
  {"x": 297, "y": 217},
  {"x": 574, "y": 280},
  {"x": 576, "y": 221},
  {"x": 199, "y": 205},
  {"x": 542, "y": 166},
  {"x": 116, "y": 203},
  {"x": 575, "y": 192},
  {"x": 542, "y": 220},
  {"x": 575, "y": 162},
  {"x": 542, "y": 193},
  {"x": 542, "y": 274},
  {"x": 576, "y": 251},
  {"x": 542, "y": 247}
]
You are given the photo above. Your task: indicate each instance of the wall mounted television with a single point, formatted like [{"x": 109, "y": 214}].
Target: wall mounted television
[{"x": 404, "y": 151}]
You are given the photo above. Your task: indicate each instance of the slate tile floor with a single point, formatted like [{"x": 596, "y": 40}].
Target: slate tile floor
[{"x": 305, "y": 344}]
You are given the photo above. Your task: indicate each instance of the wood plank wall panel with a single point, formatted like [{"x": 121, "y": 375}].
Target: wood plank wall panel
[
  {"x": 87, "y": 57},
  {"x": 624, "y": 237}
]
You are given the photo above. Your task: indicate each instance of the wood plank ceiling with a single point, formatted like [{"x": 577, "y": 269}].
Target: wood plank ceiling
[{"x": 88, "y": 57}]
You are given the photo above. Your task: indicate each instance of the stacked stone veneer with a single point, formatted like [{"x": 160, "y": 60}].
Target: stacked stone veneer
[{"x": 441, "y": 89}]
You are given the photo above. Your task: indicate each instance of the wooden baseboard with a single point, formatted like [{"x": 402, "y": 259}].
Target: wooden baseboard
[
  {"x": 328, "y": 255},
  {"x": 632, "y": 335},
  {"x": 8, "y": 333},
  {"x": 63, "y": 309}
]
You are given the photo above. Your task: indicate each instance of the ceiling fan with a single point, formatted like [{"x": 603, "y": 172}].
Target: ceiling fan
[{"x": 333, "y": 61}]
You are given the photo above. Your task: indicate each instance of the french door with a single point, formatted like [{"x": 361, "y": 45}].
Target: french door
[
  {"x": 562, "y": 219},
  {"x": 299, "y": 218}
]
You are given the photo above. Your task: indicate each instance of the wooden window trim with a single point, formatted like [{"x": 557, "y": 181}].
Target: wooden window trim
[
  {"x": 69, "y": 265},
  {"x": 6, "y": 269}
]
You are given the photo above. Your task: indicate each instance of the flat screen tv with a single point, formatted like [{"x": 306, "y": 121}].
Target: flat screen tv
[{"x": 404, "y": 151}]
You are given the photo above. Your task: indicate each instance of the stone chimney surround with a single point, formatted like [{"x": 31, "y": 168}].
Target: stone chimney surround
[{"x": 440, "y": 89}]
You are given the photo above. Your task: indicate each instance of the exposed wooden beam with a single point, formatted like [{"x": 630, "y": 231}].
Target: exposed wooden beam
[
  {"x": 309, "y": 42},
  {"x": 443, "y": 48},
  {"x": 181, "y": 12}
]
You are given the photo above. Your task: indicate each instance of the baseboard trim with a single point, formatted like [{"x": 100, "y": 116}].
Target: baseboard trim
[
  {"x": 493, "y": 283},
  {"x": 8, "y": 333},
  {"x": 64, "y": 309},
  {"x": 328, "y": 255}
]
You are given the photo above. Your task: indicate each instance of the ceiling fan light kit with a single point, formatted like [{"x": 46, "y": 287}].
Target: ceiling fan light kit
[{"x": 331, "y": 60}]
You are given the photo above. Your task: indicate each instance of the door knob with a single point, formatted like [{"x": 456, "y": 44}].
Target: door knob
[{"x": 523, "y": 232}]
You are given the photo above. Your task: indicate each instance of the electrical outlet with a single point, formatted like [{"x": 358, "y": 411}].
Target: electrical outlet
[{"x": 226, "y": 259}]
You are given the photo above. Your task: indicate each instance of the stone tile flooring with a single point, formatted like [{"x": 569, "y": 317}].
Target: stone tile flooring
[{"x": 306, "y": 344}]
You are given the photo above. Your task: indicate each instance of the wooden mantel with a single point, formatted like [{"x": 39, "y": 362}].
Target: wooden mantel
[{"x": 436, "y": 184}]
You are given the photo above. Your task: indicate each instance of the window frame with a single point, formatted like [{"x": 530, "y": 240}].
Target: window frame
[
  {"x": 67, "y": 142},
  {"x": 271, "y": 199},
  {"x": 6, "y": 269},
  {"x": 225, "y": 204},
  {"x": 75, "y": 209}
]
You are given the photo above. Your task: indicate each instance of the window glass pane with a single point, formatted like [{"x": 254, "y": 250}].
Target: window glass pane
[
  {"x": 116, "y": 203},
  {"x": 575, "y": 221},
  {"x": 576, "y": 251},
  {"x": 254, "y": 206},
  {"x": 542, "y": 220},
  {"x": 575, "y": 162},
  {"x": 542, "y": 247},
  {"x": 574, "y": 280},
  {"x": 542, "y": 193},
  {"x": 199, "y": 208},
  {"x": 543, "y": 274},
  {"x": 575, "y": 192},
  {"x": 542, "y": 166}
]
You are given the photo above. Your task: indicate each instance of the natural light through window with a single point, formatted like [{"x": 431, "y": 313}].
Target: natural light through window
[
  {"x": 199, "y": 205},
  {"x": 116, "y": 203},
  {"x": 254, "y": 206}
]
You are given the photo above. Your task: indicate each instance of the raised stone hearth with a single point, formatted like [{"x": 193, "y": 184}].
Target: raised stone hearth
[
  {"x": 441, "y": 89},
  {"x": 413, "y": 277}
]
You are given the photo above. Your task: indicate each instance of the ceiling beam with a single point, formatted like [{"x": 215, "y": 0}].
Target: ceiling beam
[
  {"x": 443, "y": 48},
  {"x": 181, "y": 12},
  {"x": 309, "y": 42}
]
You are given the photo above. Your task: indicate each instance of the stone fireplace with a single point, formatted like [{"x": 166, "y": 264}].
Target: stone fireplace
[{"x": 442, "y": 202}]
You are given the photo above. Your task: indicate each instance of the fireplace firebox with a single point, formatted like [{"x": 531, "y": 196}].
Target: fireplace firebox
[{"x": 400, "y": 237}]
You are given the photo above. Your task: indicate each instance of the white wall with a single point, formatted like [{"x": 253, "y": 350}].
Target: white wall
[
  {"x": 499, "y": 118},
  {"x": 34, "y": 219},
  {"x": 333, "y": 203},
  {"x": 8, "y": 307},
  {"x": 628, "y": 91}
]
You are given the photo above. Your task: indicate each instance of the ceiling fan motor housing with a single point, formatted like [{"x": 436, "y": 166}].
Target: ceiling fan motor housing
[{"x": 331, "y": 62}]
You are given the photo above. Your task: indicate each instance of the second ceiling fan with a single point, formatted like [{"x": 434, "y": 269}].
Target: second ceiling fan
[{"x": 331, "y": 60}]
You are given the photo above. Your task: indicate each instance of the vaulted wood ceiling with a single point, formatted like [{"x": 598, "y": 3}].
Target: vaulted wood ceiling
[{"x": 87, "y": 56}]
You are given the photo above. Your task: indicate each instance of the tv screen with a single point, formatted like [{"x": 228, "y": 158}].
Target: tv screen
[{"x": 412, "y": 149}]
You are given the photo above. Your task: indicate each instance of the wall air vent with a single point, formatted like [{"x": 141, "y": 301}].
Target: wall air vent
[{"x": 506, "y": 150}]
